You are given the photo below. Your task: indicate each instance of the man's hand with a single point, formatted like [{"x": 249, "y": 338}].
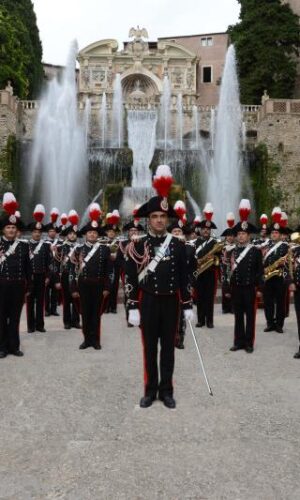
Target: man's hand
[
  {"x": 292, "y": 287},
  {"x": 57, "y": 286},
  {"x": 105, "y": 294},
  {"x": 189, "y": 314},
  {"x": 134, "y": 317}
]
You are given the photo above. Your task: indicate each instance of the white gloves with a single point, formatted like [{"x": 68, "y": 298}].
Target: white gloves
[
  {"x": 189, "y": 314},
  {"x": 134, "y": 317}
]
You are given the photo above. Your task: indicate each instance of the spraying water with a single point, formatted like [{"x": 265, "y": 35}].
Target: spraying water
[
  {"x": 58, "y": 167},
  {"x": 165, "y": 112},
  {"x": 224, "y": 177},
  {"x": 117, "y": 113},
  {"x": 179, "y": 122},
  {"x": 103, "y": 119}
]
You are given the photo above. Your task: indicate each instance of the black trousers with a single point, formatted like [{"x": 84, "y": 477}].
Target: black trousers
[
  {"x": 51, "y": 296},
  {"x": 91, "y": 301},
  {"x": 70, "y": 304},
  {"x": 112, "y": 299},
  {"x": 159, "y": 321},
  {"x": 297, "y": 309},
  {"x": 11, "y": 304},
  {"x": 226, "y": 302},
  {"x": 35, "y": 303},
  {"x": 244, "y": 307},
  {"x": 275, "y": 301},
  {"x": 205, "y": 288}
]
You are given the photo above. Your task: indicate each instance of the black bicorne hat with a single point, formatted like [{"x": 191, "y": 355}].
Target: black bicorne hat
[
  {"x": 92, "y": 225},
  {"x": 134, "y": 224},
  {"x": 246, "y": 227},
  {"x": 156, "y": 204},
  {"x": 229, "y": 231},
  {"x": 12, "y": 220}
]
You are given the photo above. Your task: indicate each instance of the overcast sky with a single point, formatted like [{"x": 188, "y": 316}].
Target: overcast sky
[{"x": 61, "y": 21}]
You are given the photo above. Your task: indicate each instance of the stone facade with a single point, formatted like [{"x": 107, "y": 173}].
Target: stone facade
[{"x": 8, "y": 115}]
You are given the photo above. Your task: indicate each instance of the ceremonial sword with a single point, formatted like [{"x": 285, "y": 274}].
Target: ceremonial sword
[{"x": 200, "y": 358}]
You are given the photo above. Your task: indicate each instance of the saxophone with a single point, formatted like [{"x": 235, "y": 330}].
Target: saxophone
[
  {"x": 209, "y": 259},
  {"x": 275, "y": 269}
]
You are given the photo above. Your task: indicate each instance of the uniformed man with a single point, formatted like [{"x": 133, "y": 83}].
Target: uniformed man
[
  {"x": 206, "y": 269},
  {"x": 156, "y": 285},
  {"x": 14, "y": 278},
  {"x": 65, "y": 253},
  {"x": 295, "y": 285},
  {"x": 246, "y": 276},
  {"x": 93, "y": 263},
  {"x": 229, "y": 243},
  {"x": 275, "y": 276},
  {"x": 111, "y": 230},
  {"x": 133, "y": 230},
  {"x": 40, "y": 258},
  {"x": 53, "y": 285}
]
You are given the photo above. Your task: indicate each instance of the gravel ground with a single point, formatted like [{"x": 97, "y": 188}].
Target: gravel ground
[{"x": 71, "y": 427}]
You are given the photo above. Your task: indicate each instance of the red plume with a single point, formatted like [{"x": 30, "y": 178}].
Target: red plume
[
  {"x": 113, "y": 218},
  {"x": 276, "y": 215},
  {"x": 244, "y": 209},
  {"x": 283, "y": 220},
  {"x": 197, "y": 219},
  {"x": 39, "y": 213},
  {"x": 54, "y": 214},
  {"x": 64, "y": 219},
  {"x": 208, "y": 211},
  {"x": 134, "y": 211},
  {"x": 264, "y": 219},
  {"x": 73, "y": 217},
  {"x": 163, "y": 180},
  {"x": 180, "y": 209},
  {"x": 94, "y": 211},
  {"x": 9, "y": 203},
  {"x": 230, "y": 219}
]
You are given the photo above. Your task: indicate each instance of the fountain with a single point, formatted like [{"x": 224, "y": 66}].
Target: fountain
[
  {"x": 117, "y": 113},
  {"x": 58, "y": 167},
  {"x": 165, "y": 113},
  {"x": 224, "y": 173},
  {"x": 86, "y": 120},
  {"x": 179, "y": 128},
  {"x": 196, "y": 126},
  {"x": 103, "y": 119}
]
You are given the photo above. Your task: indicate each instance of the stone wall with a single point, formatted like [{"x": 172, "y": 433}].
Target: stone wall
[{"x": 8, "y": 116}]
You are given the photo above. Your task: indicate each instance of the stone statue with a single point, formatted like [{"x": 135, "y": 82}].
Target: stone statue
[
  {"x": 9, "y": 88},
  {"x": 265, "y": 97},
  {"x": 138, "y": 33}
]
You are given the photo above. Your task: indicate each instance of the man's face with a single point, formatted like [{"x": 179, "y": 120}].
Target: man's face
[
  {"x": 91, "y": 236},
  {"x": 205, "y": 232},
  {"x": 230, "y": 239},
  {"x": 243, "y": 237},
  {"x": 36, "y": 235},
  {"x": 275, "y": 236},
  {"x": 72, "y": 236},
  {"x": 158, "y": 222},
  {"x": 10, "y": 232},
  {"x": 52, "y": 234},
  {"x": 111, "y": 234},
  {"x": 263, "y": 233},
  {"x": 177, "y": 232},
  {"x": 133, "y": 232}
]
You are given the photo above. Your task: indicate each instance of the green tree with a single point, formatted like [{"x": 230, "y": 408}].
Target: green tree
[
  {"x": 20, "y": 48},
  {"x": 267, "y": 41}
]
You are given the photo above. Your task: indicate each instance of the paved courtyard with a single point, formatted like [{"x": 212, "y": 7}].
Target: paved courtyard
[{"x": 71, "y": 427}]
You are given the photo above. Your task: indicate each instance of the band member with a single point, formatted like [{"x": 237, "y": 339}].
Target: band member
[
  {"x": 14, "y": 277},
  {"x": 40, "y": 258},
  {"x": 111, "y": 231},
  {"x": 92, "y": 260},
  {"x": 295, "y": 276},
  {"x": 246, "y": 276},
  {"x": 53, "y": 286},
  {"x": 285, "y": 236},
  {"x": 207, "y": 252},
  {"x": 133, "y": 230},
  {"x": 263, "y": 236},
  {"x": 275, "y": 275},
  {"x": 156, "y": 286},
  {"x": 65, "y": 251},
  {"x": 229, "y": 243}
]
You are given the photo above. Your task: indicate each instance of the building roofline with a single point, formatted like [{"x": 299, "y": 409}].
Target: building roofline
[{"x": 192, "y": 36}]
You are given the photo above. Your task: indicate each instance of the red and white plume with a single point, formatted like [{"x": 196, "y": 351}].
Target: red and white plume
[
  {"x": 113, "y": 218},
  {"x": 208, "y": 211},
  {"x": 134, "y": 211},
  {"x": 73, "y": 217},
  {"x": 230, "y": 219},
  {"x": 64, "y": 219},
  {"x": 180, "y": 209},
  {"x": 197, "y": 219},
  {"x": 9, "y": 203},
  {"x": 284, "y": 219},
  {"x": 39, "y": 212},
  {"x": 54, "y": 214},
  {"x": 163, "y": 180},
  {"x": 276, "y": 215},
  {"x": 244, "y": 209},
  {"x": 18, "y": 214},
  {"x": 264, "y": 219},
  {"x": 94, "y": 211}
]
